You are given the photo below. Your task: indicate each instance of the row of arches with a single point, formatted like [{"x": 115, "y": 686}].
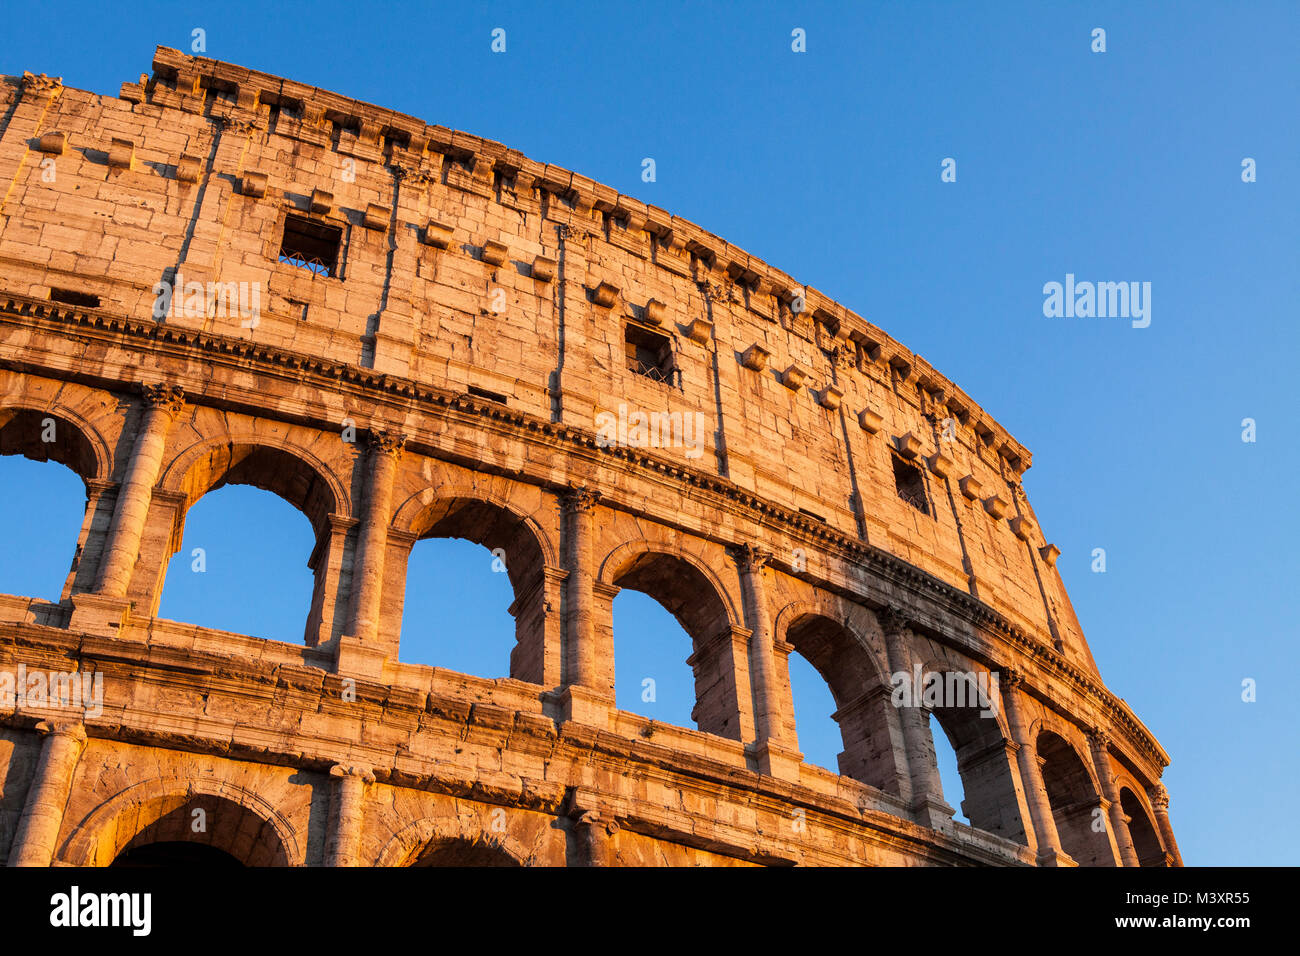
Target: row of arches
[
  {"x": 687, "y": 606},
  {"x": 166, "y": 822},
  {"x": 169, "y": 822}
]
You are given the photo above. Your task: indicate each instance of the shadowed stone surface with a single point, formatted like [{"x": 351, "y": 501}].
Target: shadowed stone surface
[{"x": 461, "y": 341}]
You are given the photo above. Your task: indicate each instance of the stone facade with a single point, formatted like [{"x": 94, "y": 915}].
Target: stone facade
[{"x": 410, "y": 332}]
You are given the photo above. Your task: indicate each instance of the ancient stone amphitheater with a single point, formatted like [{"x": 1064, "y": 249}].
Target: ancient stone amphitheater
[{"x": 222, "y": 277}]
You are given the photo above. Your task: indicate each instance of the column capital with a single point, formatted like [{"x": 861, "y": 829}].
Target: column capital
[
  {"x": 1159, "y": 797},
  {"x": 168, "y": 398},
  {"x": 580, "y": 499},
  {"x": 365, "y": 774},
  {"x": 1012, "y": 677},
  {"x": 386, "y": 442},
  {"x": 74, "y": 730},
  {"x": 598, "y": 819},
  {"x": 1099, "y": 738},
  {"x": 893, "y": 620},
  {"x": 751, "y": 557}
]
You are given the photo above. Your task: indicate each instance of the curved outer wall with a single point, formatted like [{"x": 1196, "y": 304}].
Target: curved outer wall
[{"x": 457, "y": 375}]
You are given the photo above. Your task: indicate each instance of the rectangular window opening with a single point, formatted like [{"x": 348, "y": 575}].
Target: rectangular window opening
[
  {"x": 73, "y": 297},
  {"x": 649, "y": 353},
  {"x": 490, "y": 396},
  {"x": 311, "y": 245},
  {"x": 910, "y": 484}
]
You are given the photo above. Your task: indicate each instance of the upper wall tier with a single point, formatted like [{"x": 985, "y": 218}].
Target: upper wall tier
[{"x": 458, "y": 262}]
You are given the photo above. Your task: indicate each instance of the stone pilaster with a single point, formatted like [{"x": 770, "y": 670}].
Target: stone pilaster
[
  {"x": 1098, "y": 743},
  {"x": 162, "y": 404},
  {"x": 773, "y": 751},
  {"x": 596, "y": 831},
  {"x": 1159, "y": 797},
  {"x": 359, "y": 649},
  {"x": 1031, "y": 773},
  {"x": 581, "y": 651},
  {"x": 100, "y": 500},
  {"x": 585, "y": 697},
  {"x": 926, "y": 795},
  {"x": 722, "y": 689},
  {"x": 38, "y": 828},
  {"x": 538, "y": 655},
  {"x": 343, "y": 845},
  {"x": 767, "y": 708},
  {"x": 328, "y": 562}
]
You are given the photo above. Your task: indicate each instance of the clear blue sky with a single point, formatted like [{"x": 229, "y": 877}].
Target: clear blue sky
[{"x": 1123, "y": 165}]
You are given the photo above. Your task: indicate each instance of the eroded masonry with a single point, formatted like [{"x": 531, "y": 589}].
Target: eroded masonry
[{"x": 221, "y": 276}]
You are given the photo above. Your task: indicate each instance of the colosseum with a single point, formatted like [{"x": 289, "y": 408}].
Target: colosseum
[{"x": 220, "y": 276}]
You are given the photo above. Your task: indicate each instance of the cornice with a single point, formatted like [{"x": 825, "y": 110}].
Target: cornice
[{"x": 66, "y": 320}]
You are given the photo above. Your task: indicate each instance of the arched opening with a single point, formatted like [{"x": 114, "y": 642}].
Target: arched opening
[
  {"x": 46, "y": 507},
  {"x": 241, "y": 552},
  {"x": 241, "y": 566},
  {"x": 42, "y": 436},
  {"x": 1076, "y": 808},
  {"x": 651, "y": 649},
  {"x": 198, "y": 830},
  {"x": 693, "y": 601},
  {"x": 483, "y": 565},
  {"x": 814, "y": 704},
  {"x": 945, "y": 755},
  {"x": 175, "y": 853},
  {"x": 974, "y": 758},
  {"x": 1142, "y": 831},
  {"x": 456, "y": 613},
  {"x": 461, "y": 852},
  {"x": 860, "y": 697}
]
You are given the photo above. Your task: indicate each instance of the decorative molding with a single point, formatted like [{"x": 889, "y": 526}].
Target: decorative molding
[
  {"x": 580, "y": 499},
  {"x": 191, "y": 344},
  {"x": 755, "y": 357},
  {"x": 169, "y": 398},
  {"x": 387, "y": 442}
]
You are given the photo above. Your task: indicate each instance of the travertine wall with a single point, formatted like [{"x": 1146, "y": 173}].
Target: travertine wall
[{"x": 450, "y": 378}]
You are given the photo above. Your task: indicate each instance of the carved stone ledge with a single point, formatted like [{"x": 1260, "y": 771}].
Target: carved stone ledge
[
  {"x": 321, "y": 201},
  {"x": 996, "y": 505},
  {"x": 604, "y": 294},
  {"x": 908, "y": 445},
  {"x": 252, "y": 184},
  {"x": 699, "y": 331},
  {"x": 655, "y": 312},
  {"x": 794, "y": 376},
  {"x": 1022, "y": 527},
  {"x": 52, "y": 143},
  {"x": 755, "y": 357},
  {"x": 830, "y": 397},
  {"x": 544, "y": 268},
  {"x": 870, "y": 421},
  {"x": 940, "y": 464},
  {"x": 188, "y": 169},
  {"x": 121, "y": 154},
  {"x": 377, "y": 217},
  {"x": 437, "y": 234}
]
